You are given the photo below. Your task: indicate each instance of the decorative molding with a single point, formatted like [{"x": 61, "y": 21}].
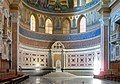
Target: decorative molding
[{"x": 14, "y": 16}]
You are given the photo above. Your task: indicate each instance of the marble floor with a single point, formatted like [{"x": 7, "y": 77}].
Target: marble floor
[{"x": 78, "y": 80}]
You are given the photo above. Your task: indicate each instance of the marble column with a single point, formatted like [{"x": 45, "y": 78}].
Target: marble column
[
  {"x": 15, "y": 36},
  {"x": 104, "y": 21}
]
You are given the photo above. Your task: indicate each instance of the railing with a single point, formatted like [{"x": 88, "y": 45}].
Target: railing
[{"x": 63, "y": 9}]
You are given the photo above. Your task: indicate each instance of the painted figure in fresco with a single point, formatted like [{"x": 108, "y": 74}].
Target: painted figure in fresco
[
  {"x": 57, "y": 24},
  {"x": 41, "y": 2}
]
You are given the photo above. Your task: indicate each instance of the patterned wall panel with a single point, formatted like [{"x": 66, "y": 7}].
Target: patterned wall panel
[
  {"x": 31, "y": 59},
  {"x": 81, "y": 59}
]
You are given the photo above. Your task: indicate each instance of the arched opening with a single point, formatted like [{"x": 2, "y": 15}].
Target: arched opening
[
  {"x": 32, "y": 23},
  {"x": 75, "y": 3},
  {"x": 82, "y": 24},
  {"x": 48, "y": 27},
  {"x": 52, "y": 2},
  {"x": 88, "y": 1},
  {"x": 66, "y": 27},
  {"x": 63, "y": 2},
  {"x": 57, "y": 55}
]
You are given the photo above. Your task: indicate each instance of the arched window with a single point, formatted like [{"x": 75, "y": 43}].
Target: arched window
[
  {"x": 75, "y": 3},
  {"x": 66, "y": 27},
  {"x": 80, "y": 3},
  {"x": 83, "y": 25},
  {"x": 88, "y": 1},
  {"x": 48, "y": 26},
  {"x": 52, "y": 2},
  {"x": 32, "y": 23},
  {"x": 63, "y": 2}
]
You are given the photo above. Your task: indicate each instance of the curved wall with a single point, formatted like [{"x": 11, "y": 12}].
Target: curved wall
[
  {"x": 73, "y": 59},
  {"x": 80, "y": 48},
  {"x": 72, "y": 41},
  {"x": 35, "y": 48},
  {"x": 68, "y": 45},
  {"x": 57, "y": 37},
  {"x": 91, "y": 14},
  {"x": 47, "y": 9}
]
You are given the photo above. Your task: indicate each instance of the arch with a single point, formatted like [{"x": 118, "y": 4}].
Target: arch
[
  {"x": 66, "y": 26},
  {"x": 32, "y": 23},
  {"x": 88, "y": 1},
  {"x": 75, "y": 3},
  {"x": 48, "y": 26},
  {"x": 82, "y": 24},
  {"x": 52, "y": 2},
  {"x": 57, "y": 45},
  {"x": 64, "y": 2}
]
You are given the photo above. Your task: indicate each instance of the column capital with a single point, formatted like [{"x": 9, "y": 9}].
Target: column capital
[
  {"x": 14, "y": 16},
  {"x": 104, "y": 21},
  {"x": 104, "y": 10}
]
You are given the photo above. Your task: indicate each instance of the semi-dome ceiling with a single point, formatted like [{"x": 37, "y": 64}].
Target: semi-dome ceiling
[{"x": 61, "y": 5}]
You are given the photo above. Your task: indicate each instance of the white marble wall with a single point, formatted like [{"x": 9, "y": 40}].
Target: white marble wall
[
  {"x": 82, "y": 58},
  {"x": 73, "y": 58},
  {"x": 30, "y": 58}
]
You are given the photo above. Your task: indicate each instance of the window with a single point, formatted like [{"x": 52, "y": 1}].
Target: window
[
  {"x": 80, "y": 3},
  {"x": 32, "y": 23},
  {"x": 66, "y": 27},
  {"x": 48, "y": 27},
  {"x": 63, "y": 2},
  {"x": 88, "y": 1},
  {"x": 52, "y": 2},
  {"x": 75, "y": 3},
  {"x": 83, "y": 25}
]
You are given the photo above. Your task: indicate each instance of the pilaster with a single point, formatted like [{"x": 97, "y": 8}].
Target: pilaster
[
  {"x": 104, "y": 21},
  {"x": 15, "y": 36}
]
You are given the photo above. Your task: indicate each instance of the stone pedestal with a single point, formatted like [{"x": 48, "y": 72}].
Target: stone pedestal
[{"x": 15, "y": 36}]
